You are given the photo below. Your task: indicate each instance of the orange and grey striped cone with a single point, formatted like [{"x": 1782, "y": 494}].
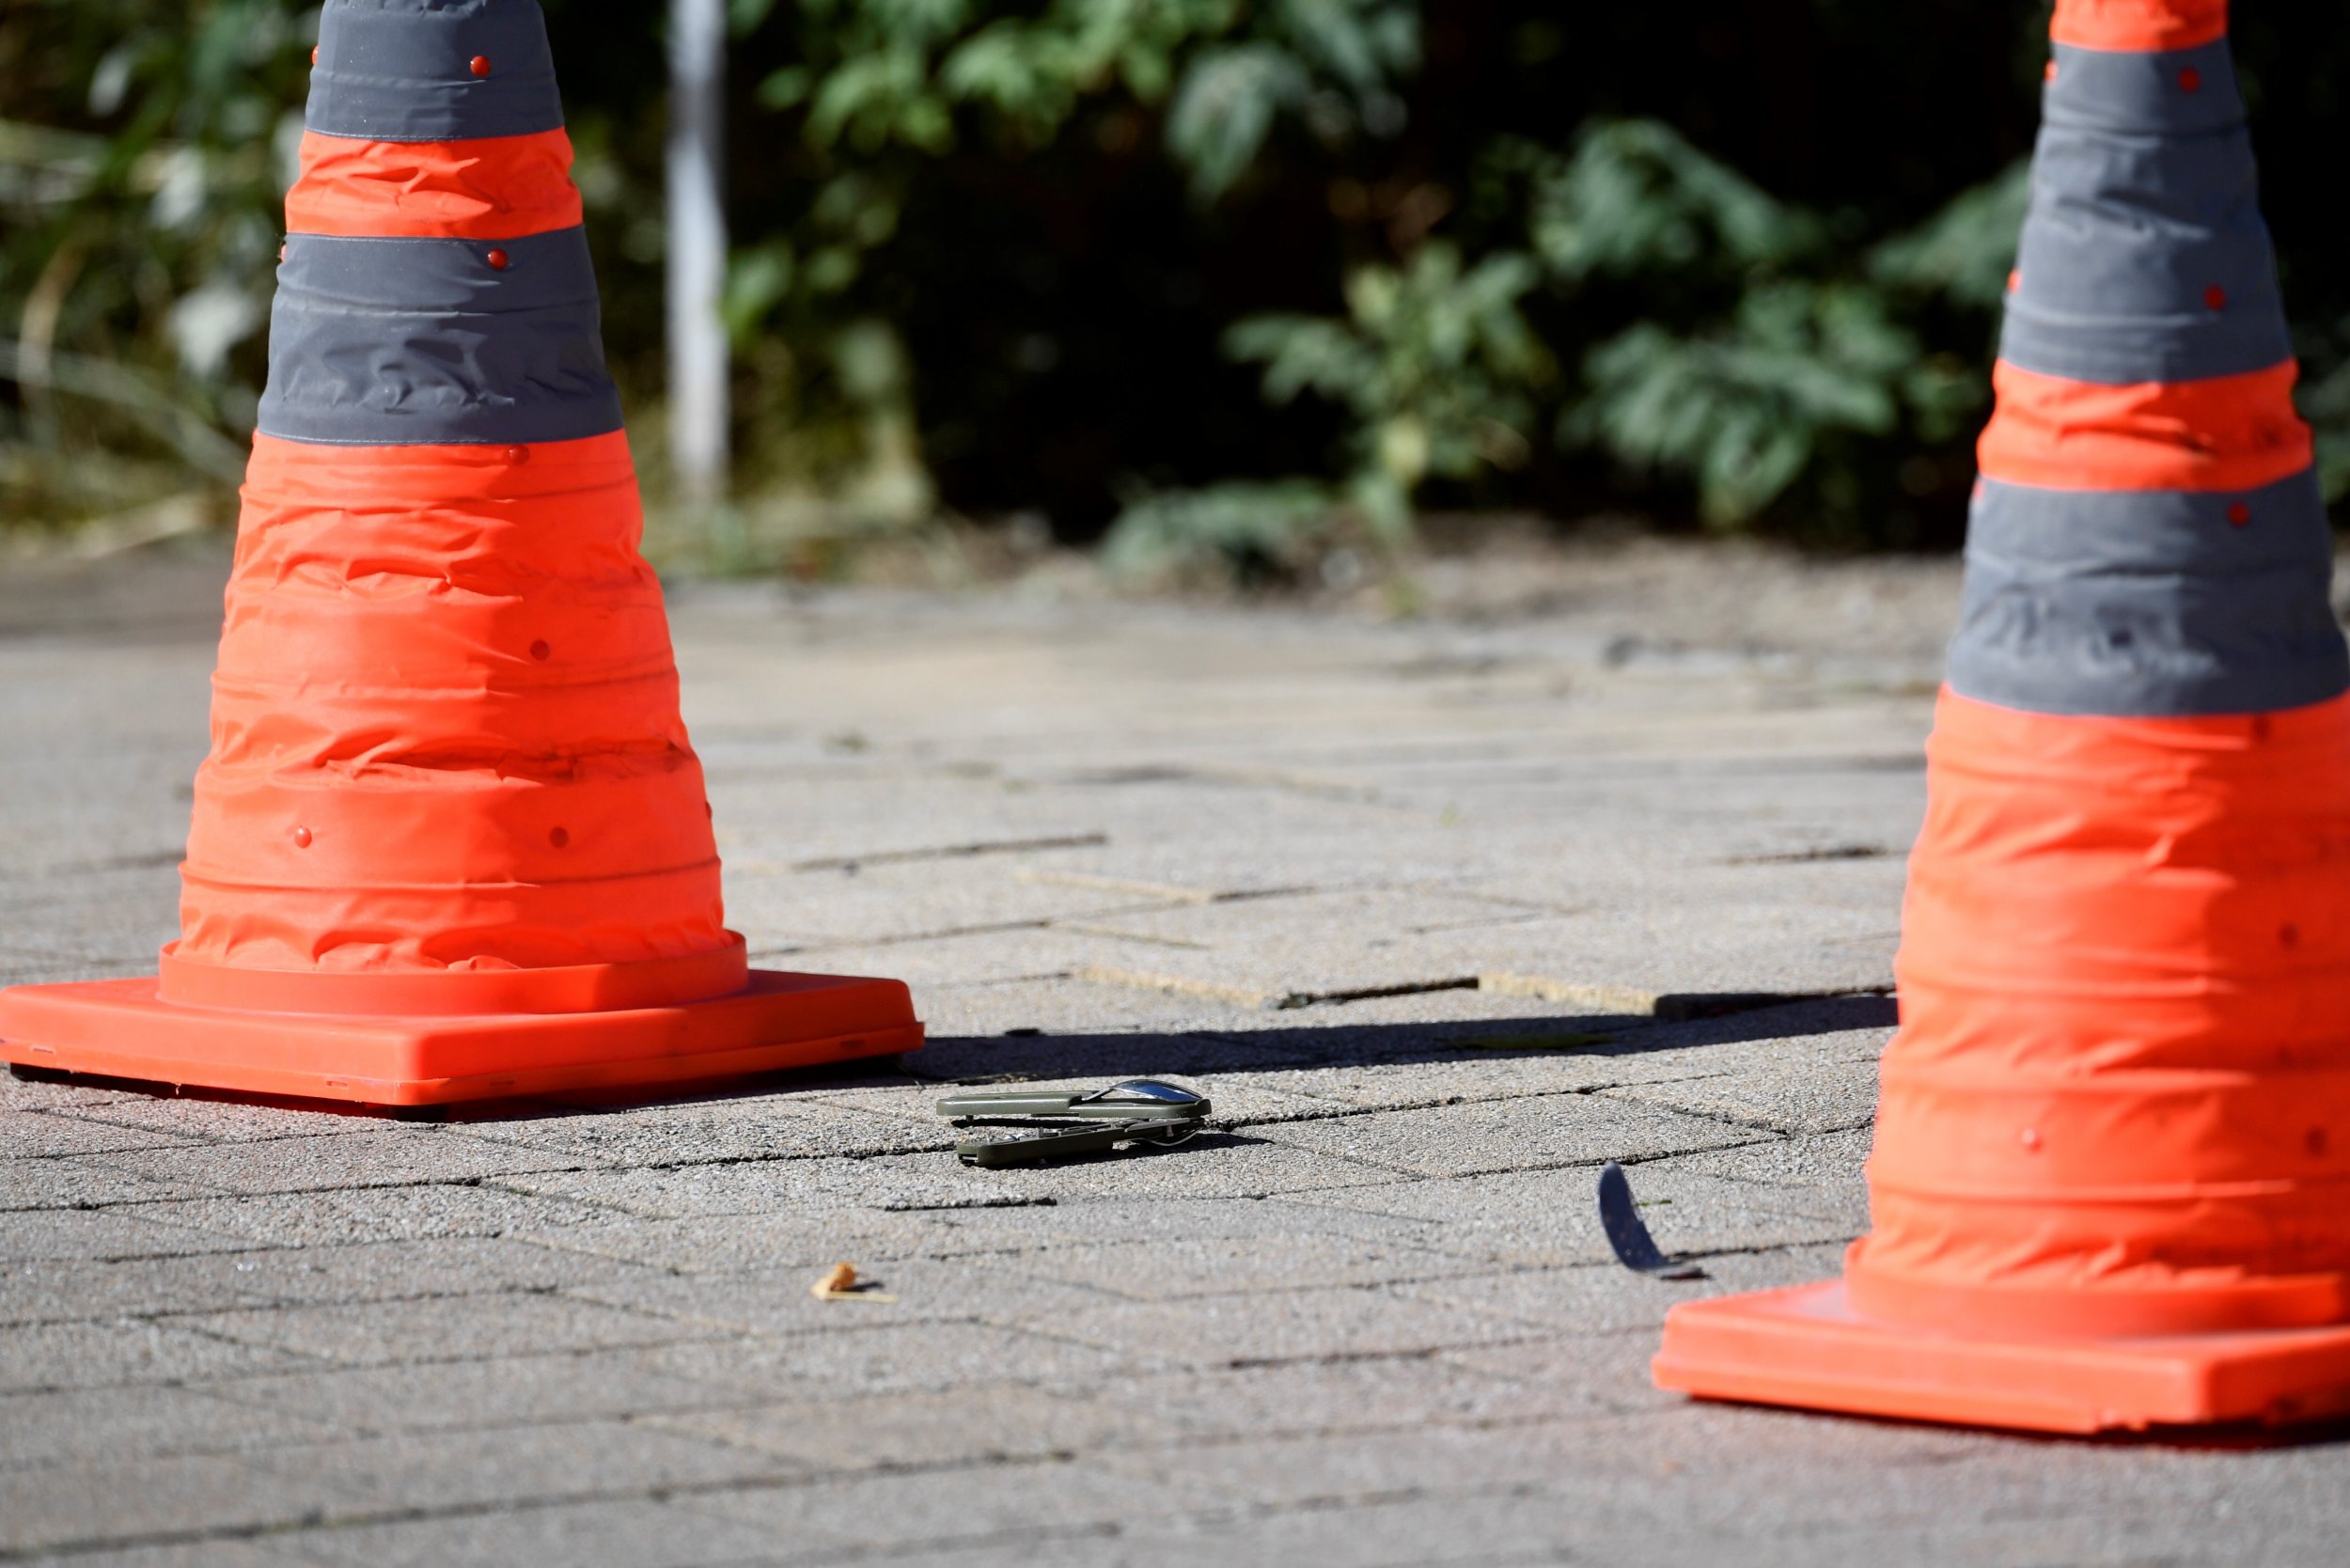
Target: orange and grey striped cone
[
  {"x": 2111, "y": 1180},
  {"x": 452, "y": 842}
]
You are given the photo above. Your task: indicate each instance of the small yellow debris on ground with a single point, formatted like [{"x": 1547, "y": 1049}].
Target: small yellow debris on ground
[{"x": 841, "y": 1283}]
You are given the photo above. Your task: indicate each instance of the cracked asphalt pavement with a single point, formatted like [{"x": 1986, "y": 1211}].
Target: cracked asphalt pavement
[{"x": 1442, "y": 916}]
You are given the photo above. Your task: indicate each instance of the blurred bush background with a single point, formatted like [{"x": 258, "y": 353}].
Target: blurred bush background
[{"x": 1238, "y": 287}]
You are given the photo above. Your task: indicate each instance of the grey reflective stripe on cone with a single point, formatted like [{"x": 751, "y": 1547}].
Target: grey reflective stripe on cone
[
  {"x": 2128, "y": 239},
  {"x": 2149, "y": 603},
  {"x": 388, "y": 342},
  {"x": 401, "y": 71},
  {"x": 2177, "y": 90}
]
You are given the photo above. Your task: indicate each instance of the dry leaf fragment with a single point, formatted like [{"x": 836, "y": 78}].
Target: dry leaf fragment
[{"x": 841, "y": 1283}]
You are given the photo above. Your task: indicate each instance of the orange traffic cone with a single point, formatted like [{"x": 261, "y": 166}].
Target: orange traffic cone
[
  {"x": 2111, "y": 1181},
  {"x": 452, "y": 842}
]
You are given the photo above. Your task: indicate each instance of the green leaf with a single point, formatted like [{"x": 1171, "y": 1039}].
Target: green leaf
[
  {"x": 1364, "y": 43},
  {"x": 1437, "y": 365},
  {"x": 1304, "y": 354},
  {"x": 787, "y": 89},
  {"x": 1027, "y": 74},
  {"x": 1225, "y": 109},
  {"x": 1215, "y": 529},
  {"x": 758, "y": 280},
  {"x": 1742, "y": 407},
  {"x": 745, "y": 16},
  {"x": 1637, "y": 196}
]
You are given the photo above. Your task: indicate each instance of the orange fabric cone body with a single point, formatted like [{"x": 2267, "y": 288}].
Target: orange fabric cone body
[
  {"x": 2112, "y": 1147},
  {"x": 452, "y": 839},
  {"x": 445, "y": 723}
]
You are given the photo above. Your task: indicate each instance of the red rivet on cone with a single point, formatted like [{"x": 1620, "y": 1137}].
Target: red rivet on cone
[
  {"x": 423, "y": 935},
  {"x": 2092, "y": 1194}
]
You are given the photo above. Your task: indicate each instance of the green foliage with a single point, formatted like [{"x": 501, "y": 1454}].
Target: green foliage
[
  {"x": 1441, "y": 376},
  {"x": 1761, "y": 360},
  {"x": 1434, "y": 362},
  {"x": 1742, "y": 408},
  {"x": 1438, "y": 370},
  {"x": 1964, "y": 252},
  {"x": 1251, "y": 532},
  {"x": 1638, "y": 197},
  {"x": 921, "y": 73},
  {"x": 884, "y": 95},
  {"x": 1334, "y": 63},
  {"x": 1788, "y": 349},
  {"x": 1273, "y": 274},
  {"x": 2324, "y": 402},
  {"x": 135, "y": 262},
  {"x": 882, "y": 88}
]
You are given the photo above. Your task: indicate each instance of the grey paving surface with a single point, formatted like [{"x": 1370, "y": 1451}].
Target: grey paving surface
[{"x": 1441, "y": 915}]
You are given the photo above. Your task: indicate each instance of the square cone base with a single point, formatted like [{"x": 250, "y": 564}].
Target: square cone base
[
  {"x": 1807, "y": 1347},
  {"x": 122, "y": 1029}
]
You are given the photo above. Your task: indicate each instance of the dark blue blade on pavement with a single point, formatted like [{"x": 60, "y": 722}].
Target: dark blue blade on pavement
[{"x": 1634, "y": 1247}]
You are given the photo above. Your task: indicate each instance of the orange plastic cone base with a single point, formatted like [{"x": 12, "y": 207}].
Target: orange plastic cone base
[
  {"x": 1807, "y": 1347},
  {"x": 123, "y": 1028}
]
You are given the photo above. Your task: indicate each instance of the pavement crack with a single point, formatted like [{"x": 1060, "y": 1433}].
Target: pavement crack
[
  {"x": 1296, "y": 999},
  {"x": 1257, "y": 998},
  {"x": 1164, "y": 892},
  {"x": 1361, "y": 1357},
  {"x": 1805, "y": 856},
  {"x": 954, "y": 852},
  {"x": 948, "y": 934},
  {"x": 1087, "y": 928},
  {"x": 1770, "y": 1249}
]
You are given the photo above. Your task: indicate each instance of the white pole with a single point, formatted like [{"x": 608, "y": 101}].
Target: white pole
[{"x": 698, "y": 248}]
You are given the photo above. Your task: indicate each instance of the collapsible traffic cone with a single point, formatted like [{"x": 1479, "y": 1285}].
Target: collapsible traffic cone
[
  {"x": 2111, "y": 1181},
  {"x": 451, "y": 840}
]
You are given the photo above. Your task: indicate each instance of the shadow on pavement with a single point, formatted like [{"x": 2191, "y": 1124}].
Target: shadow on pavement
[
  {"x": 1025, "y": 1056},
  {"x": 959, "y": 1059}
]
